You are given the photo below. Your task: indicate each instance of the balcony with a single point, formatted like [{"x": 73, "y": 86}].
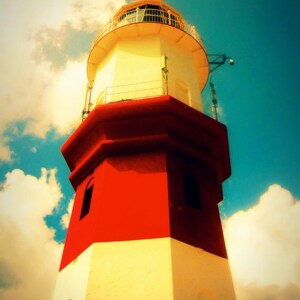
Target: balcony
[{"x": 155, "y": 14}]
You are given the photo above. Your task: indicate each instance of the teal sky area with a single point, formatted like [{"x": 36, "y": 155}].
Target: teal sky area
[
  {"x": 258, "y": 99},
  {"x": 258, "y": 96}
]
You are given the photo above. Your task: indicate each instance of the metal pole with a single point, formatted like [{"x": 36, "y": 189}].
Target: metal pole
[
  {"x": 165, "y": 75},
  {"x": 214, "y": 102}
]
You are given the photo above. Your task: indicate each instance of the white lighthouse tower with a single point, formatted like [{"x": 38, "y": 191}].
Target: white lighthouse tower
[{"x": 147, "y": 167}]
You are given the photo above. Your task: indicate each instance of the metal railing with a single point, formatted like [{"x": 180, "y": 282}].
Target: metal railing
[
  {"x": 129, "y": 92},
  {"x": 139, "y": 15}
]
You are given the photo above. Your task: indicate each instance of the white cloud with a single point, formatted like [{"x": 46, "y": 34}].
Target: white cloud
[
  {"x": 62, "y": 102},
  {"x": 6, "y": 153},
  {"x": 65, "y": 219},
  {"x": 29, "y": 256},
  {"x": 32, "y": 90},
  {"x": 263, "y": 245},
  {"x": 268, "y": 292}
]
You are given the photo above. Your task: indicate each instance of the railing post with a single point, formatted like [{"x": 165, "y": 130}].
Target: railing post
[
  {"x": 137, "y": 15},
  {"x": 105, "y": 95},
  {"x": 165, "y": 76},
  {"x": 193, "y": 31}
]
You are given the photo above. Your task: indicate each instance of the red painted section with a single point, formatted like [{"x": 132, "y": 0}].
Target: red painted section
[
  {"x": 198, "y": 227},
  {"x": 129, "y": 202},
  {"x": 130, "y": 126},
  {"x": 135, "y": 150}
]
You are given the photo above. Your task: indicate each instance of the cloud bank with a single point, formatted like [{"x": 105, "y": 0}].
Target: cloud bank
[
  {"x": 29, "y": 256},
  {"x": 263, "y": 245},
  {"x": 44, "y": 46}
]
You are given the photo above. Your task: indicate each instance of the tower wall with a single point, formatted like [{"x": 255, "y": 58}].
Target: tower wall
[
  {"x": 138, "y": 73},
  {"x": 162, "y": 268},
  {"x": 105, "y": 77},
  {"x": 182, "y": 75},
  {"x": 129, "y": 202},
  {"x": 136, "y": 153}
]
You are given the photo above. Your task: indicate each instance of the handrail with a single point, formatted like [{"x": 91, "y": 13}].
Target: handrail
[
  {"x": 134, "y": 91},
  {"x": 140, "y": 15}
]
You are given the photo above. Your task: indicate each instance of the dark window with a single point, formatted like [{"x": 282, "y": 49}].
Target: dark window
[
  {"x": 191, "y": 189},
  {"x": 86, "y": 203}
]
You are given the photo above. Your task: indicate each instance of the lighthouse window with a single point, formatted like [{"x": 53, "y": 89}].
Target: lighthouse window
[
  {"x": 86, "y": 203},
  {"x": 191, "y": 189},
  {"x": 129, "y": 16},
  {"x": 149, "y": 13}
]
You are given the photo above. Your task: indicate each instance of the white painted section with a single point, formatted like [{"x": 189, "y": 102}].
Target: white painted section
[
  {"x": 105, "y": 77},
  {"x": 183, "y": 77},
  {"x": 132, "y": 69},
  {"x": 72, "y": 281},
  {"x": 198, "y": 274},
  {"x": 138, "y": 72},
  {"x": 132, "y": 270},
  {"x": 157, "y": 269}
]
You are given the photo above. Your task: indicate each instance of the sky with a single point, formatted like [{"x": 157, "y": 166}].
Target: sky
[{"x": 44, "y": 47}]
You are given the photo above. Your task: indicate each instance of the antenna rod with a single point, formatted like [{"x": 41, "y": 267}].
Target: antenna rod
[
  {"x": 87, "y": 102},
  {"x": 165, "y": 75},
  {"x": 217, "y": 60},
  {"x": 214, "y": 104}
]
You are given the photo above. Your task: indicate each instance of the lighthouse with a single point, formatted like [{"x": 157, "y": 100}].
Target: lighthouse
[{"x": 147, "y": 167}]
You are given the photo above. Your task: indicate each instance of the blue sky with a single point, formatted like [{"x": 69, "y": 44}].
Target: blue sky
[
  {"x": 45, "y": 46},
  {"x": 259, "y": 95}
]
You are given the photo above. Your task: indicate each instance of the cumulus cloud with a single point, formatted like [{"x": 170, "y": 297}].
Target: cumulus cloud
[
  {"x": 29, "y": 256},
  {"x": 61, "y": 103},
  {"x": 268, "y": 292},
  {"x": 263, "y": 245},
  {"x": 6, "y": 153},
  {"x": 65, "y": 219},
  {"x": 37, "y": 37}
]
